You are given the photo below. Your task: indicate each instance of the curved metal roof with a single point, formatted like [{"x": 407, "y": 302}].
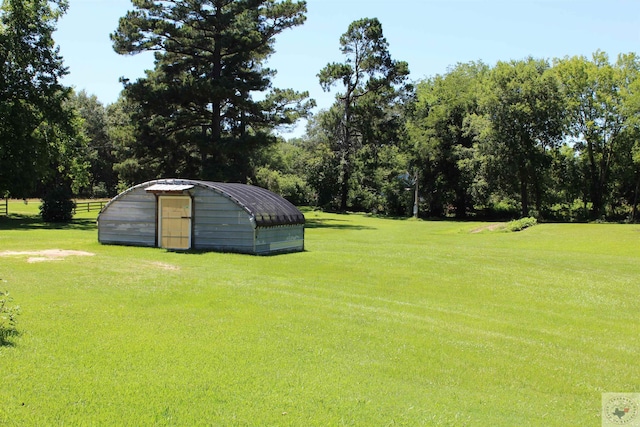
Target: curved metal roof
[{"x": 267, "y": 208}]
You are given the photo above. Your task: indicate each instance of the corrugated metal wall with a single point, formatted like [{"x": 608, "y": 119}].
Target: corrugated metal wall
[
  {"x": 218, "y": 224},
  {"x": 130, "y": 220},
  {"x": 283, "y": 238}
]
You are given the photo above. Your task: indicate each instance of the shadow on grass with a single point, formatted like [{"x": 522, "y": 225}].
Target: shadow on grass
[
  {"x": 6, "y": 335},
  {"x": 226, "y": 251},
  {"x": 333, "y": 223},
  {"x": 32, "y": 222}
]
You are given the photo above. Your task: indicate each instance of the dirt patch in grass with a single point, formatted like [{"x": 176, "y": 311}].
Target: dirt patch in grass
[
  {"x": 490, "y": 227},
  {"x": 45, "y": 255},
  {"x": 164, "y": 266}
]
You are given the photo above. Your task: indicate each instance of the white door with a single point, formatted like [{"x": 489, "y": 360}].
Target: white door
[{"x": 174, "y": 213}]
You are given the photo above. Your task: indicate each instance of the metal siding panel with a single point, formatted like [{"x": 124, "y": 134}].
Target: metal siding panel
[
  {"x": 129, "y": 220},
  {"x": 224, "y": 221},
  {"x": 129, "y": 212},
  {"x": 131, "y": 238},
  {"x": 221, "y": 211},
  {"x": 279, "y": 239},
  {"x": 221, "y": 224},
  {"x": 117, "y": 240}
]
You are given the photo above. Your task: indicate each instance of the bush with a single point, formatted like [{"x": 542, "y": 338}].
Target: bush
[
  {"x": 569, "y": 212},
  {"x": 521, "y": 224},
  {"x": 498, "y": 209},
  {"x": 99, "y": 191},
  {"x": 8, "y": 316},
  {"x": 291, "y": 187},
  {"x": 57, "y": 205}
]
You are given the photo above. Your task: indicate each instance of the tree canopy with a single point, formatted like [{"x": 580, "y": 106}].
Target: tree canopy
[
  {"x": 368, "y": 76},
  {"x": 40, "y": 139},
  {"x": 552, "y": 138},
  {"x": 525, "y": 110},
  {"x": 198, "y": 110}
]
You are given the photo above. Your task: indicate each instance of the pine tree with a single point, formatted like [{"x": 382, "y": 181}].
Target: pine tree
[{"x": 196, "y": 109}]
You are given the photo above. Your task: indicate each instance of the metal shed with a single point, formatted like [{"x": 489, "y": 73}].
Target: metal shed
[{"x": 183, "y": 214}]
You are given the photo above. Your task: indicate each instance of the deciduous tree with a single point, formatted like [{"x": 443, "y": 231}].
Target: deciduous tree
[
  {"x": 441, "y": 139},
  {"x": 40, "y": 136},
  {"x": 525, "y": 109},
  {"x": 597, "y": 124},
  {"x": 100, "y": 148}
]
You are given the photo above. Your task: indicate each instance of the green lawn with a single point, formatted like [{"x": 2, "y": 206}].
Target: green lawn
[{"x": 379, "y": 322}]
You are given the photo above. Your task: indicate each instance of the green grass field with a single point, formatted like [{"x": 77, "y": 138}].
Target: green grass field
[{"x": 379, "y": 322}]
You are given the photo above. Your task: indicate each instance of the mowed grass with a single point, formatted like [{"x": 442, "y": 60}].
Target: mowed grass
[{"x": 379, "y": 322}]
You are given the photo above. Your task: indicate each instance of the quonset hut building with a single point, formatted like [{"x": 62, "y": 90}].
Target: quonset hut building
[{"x": 184, "y": 214}]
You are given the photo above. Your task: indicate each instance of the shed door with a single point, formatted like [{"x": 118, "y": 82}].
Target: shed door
[{"x": 174, "y": 213}]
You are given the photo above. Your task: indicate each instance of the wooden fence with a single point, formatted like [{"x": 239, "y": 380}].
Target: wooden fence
[
  {"x": 80, "y": 206},
  {"x": 89, "y": 206}
]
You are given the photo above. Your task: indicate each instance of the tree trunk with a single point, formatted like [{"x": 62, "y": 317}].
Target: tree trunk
[
  {"x": 634, "y": 212},
  {"x": 344, "y": 188},
  {"x": 594, "y": 188},
  {"x": 461, "y": 203},
  {"x": 346, "y": 159},
  {"x": 216, "y": 104},
  {"x": 524, "y": 193},
  {"x": 538, "y": 194},
  {"x": 596, "y": 199}
]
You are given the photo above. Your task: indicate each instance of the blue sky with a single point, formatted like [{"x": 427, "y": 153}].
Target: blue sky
[{"x": 431, "y": 35}]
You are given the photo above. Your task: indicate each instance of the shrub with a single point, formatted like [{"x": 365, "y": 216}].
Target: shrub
[
  {"x": 8, "y": 316},
  {"x": 498, "y": 209},
  {"x": 291, "y": 187},
  {"x": 99, "y": 191},
  {"x": 568, "y": 211},
  {"x": 57, "y": 205},
  {"x": 521, "y": 224}
]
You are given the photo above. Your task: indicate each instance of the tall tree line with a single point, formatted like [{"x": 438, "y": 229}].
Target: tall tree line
[
  {"x": 557, "y": 139},
  {"x": 552, "y": 139},
  {"x": 206, "y": 110}
]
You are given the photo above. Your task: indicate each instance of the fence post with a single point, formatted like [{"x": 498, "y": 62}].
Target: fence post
[
  {"x": 90, "y": 206},
  {"x": 6, "y": 207}
]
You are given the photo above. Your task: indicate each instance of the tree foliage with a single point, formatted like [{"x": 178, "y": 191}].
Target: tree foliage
[
  {"x": 558, "y": 140},
  {"x": 57, "y": 205},
  {"x": 277, "y": 168},
  {"x": 442, "y": 140},
  {"x": 40, "y": 138},
  {"x": 551, "y": 139},
  {"x": 100, "y": 150},
  {"x": 369, "y": 78},
  {"x": 196, "y": 110},
  {"x": 598, "y": 126},
  {"x": 526, "y": 115},
  {"x": 8, "y": 317}
]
